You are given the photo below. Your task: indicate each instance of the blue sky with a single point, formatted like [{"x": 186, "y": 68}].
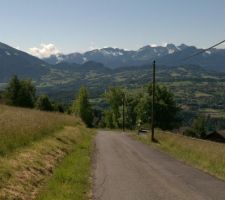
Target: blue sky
[{"x": 80, "y": 25}]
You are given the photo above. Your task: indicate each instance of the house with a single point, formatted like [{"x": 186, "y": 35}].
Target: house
[{"x": 216, "y": 136}]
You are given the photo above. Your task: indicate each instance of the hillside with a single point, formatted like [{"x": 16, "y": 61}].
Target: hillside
[
  {"x": 15, "y": 62},
  {"x": 34, "y": 145}
]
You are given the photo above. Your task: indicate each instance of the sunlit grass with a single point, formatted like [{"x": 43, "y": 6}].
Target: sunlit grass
[
  {"x": 205, "y": 155},
  {"x": 71, "y": 180},
  {"x": 19, "y": 127}
]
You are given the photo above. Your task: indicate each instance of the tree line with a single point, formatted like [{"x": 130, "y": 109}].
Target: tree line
[
  {"x": 121, "y": 107},
  {"x": 22, "y": 93}
]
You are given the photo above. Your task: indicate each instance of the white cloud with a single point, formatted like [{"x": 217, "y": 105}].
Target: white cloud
[{"x": 44, "y": 51}]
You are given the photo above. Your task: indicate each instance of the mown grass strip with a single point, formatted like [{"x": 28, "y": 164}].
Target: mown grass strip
[
  {"x": 205, "y": 155},
  {"x": 71, "y": 179}
]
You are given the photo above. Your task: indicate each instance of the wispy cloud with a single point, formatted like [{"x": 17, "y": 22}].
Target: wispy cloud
[{"x": 45, "y": 50}]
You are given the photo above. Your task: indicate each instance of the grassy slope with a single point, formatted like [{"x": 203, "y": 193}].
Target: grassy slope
[
  {"x": 71, "y": 180},
  {"x": 205, "y": 155},
  {"x": 33, "y": 144},
  {"x": 20, "y": 127}
]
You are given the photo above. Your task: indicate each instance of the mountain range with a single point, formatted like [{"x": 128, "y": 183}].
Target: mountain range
[
  {"x": 16, "y": 62},
  {"x": 169, "y": 55},
  {"x": 193, "y": 85}
]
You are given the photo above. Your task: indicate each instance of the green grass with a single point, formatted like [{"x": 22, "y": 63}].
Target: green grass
[
  {"x": 205, "y": 155},
  {"x": 34, "y": 145},
  {"x": 24, "y": 172},
  {"x": 19, "y": 126},
  {"x": 71, "y": 180}
]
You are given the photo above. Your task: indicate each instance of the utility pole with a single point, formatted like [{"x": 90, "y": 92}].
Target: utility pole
[
  {"x": 123, "y": 112},
  {"x": 153, "y": 102}
]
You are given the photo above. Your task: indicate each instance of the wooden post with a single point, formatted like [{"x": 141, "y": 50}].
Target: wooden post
[
  {"x": 153, "y": 103},
  {"x": 123, "y": 112}
]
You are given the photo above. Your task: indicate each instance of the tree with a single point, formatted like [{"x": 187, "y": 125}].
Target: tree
[
  {"x": 20, "y": 93},
  {"x": 131, "y": 102},
  {"x": 199, "y": 126},
  {"x": 143, "y": 109},
  {"x": 58, "y": 107},
  {"x": 82, "y": 107},
  {"x": 108, "y": 119},
  {"x": 166, "y": 110},
  {"x": 115, "y": 99},
  {"x": 43, "y": 103}
]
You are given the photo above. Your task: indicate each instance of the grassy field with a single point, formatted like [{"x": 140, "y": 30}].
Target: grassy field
[
  {"x": 20, "y": 127},
  {"x": 34, "y": 145},
  {"x": 205, "y": 155}
]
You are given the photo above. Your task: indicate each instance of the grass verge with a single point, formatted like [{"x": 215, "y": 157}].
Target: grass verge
[
  {"x": 205, "y": 155},
  {"x": 71, "y": 179},
  {"x": 23, "y": 173}
]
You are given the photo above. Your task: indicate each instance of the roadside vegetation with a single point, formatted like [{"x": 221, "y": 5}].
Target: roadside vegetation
[
  {"x": 136, "y": 108},
  {"x": 71, "y": 180},
  {"x": 21, "y": 126},
  {"x": 36, "y": 144},
  {"x": 205, "y": 155},
  {"x": 22, "y": 93},
  {"x": 82, "y": 108}
]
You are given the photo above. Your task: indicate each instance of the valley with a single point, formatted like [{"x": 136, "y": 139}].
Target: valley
[{"x": 196, "y": 89}]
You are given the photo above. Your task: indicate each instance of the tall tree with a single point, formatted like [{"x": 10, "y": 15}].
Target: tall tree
[
  {"x": 166, "y": 110},
  {"x": 12, "y": 91},
  {"x": 20, "y": 93},
  {"x": 115, "y": 99},
  {"x": 82, "y": 107}
]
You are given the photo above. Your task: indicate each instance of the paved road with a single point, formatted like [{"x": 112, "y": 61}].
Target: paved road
[{"x": 125, "y": 169}]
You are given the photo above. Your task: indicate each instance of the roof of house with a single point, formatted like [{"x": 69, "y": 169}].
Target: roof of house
[{"x": 219, "y": 132}]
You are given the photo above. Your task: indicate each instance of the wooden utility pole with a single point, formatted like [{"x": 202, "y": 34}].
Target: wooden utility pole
[
  {"x": 123, "y": 112},
  {"x": 153, "y": 102}
]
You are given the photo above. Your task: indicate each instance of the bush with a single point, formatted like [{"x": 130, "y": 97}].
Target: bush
[
  {"x": 198, "y": 128},
  {"x": 43, "y": 103}
]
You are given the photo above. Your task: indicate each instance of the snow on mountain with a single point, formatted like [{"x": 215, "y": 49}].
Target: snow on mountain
[{"x": 167, "y": 55}]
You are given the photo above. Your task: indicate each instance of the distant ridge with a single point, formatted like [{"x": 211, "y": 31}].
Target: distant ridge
[{"x": 169, "y": 55}]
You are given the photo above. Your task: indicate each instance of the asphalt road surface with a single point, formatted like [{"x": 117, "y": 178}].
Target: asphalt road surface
[{"x": 125, "y": 169}]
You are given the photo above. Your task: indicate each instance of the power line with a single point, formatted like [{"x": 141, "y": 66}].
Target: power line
[{"x": 202, "y": 51}]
